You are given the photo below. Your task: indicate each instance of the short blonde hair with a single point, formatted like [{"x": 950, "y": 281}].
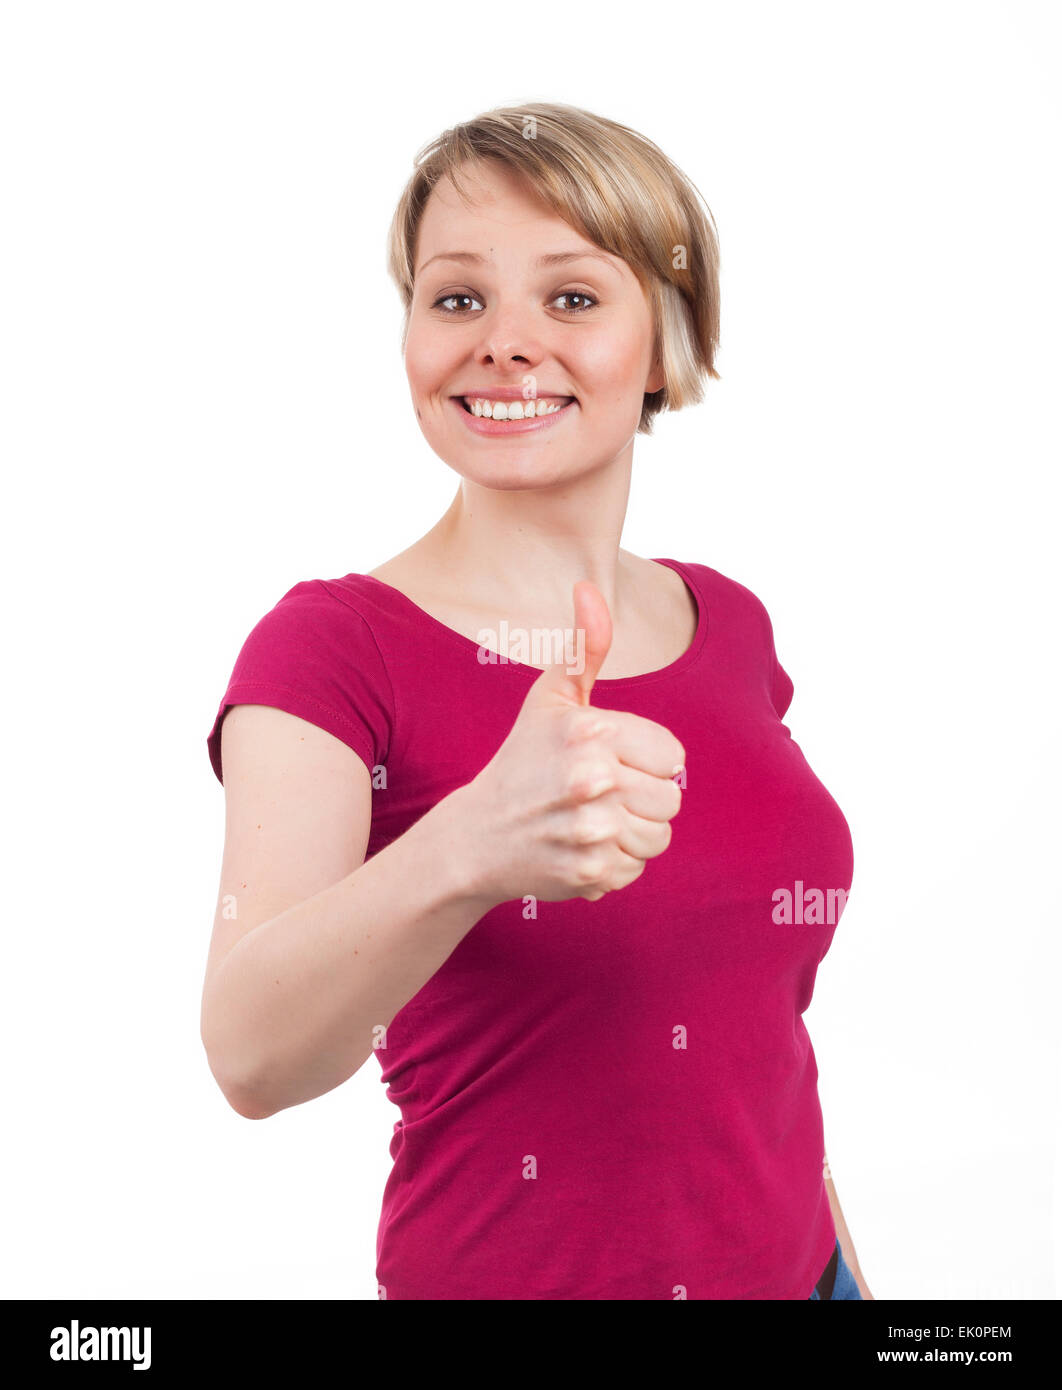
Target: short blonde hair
[{"x": 617, "y": 189}]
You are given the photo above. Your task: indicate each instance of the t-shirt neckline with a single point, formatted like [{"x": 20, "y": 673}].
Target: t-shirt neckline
[{"x": 673, "y": 668}]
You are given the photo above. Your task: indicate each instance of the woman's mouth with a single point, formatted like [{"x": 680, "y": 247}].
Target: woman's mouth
[{"x": 486, "y": 415}]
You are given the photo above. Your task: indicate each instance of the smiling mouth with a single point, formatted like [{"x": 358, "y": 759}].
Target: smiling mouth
[{"x": 486, "y": 408}]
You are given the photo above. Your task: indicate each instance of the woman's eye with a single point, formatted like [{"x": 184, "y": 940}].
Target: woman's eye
[
  {"x": 588, "y": 303},
  {"x": 439, "y": 303}
]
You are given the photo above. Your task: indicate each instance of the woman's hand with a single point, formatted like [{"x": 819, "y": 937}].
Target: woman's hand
[{"x": 577, "y": 799}]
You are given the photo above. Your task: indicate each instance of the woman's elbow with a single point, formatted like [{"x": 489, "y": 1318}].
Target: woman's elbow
[
  {"x": 247, "y": 1104},
  {"x": 242, "y": 1096},
  {"x": 249, "y": 1112}
]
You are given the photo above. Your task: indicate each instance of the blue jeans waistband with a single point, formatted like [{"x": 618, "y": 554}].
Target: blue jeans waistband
[{"x": 844, "y": 1284}]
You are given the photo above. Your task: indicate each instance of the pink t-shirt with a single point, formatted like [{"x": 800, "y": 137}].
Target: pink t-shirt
[{"x": 599, "y": 1100}]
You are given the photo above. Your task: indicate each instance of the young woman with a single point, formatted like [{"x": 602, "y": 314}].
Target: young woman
[{"x": 516, "y": 811}]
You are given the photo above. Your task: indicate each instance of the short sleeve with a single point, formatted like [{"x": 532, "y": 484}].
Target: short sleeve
[
  {"x": 776, "y": 678},
  {"x": 780, "y": 685},
  {"x": 315, "y": 657}
]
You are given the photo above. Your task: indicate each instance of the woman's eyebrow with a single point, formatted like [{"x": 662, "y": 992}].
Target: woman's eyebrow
[{"x": 551, "y": 258}]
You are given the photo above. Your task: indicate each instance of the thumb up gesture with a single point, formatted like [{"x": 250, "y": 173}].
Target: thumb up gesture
[{"x": 577, "y": 798}]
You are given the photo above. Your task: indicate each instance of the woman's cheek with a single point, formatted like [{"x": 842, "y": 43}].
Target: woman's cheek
[{"x": 612, "y": 366}]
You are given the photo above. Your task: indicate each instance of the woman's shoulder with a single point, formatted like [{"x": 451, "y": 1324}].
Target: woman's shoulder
[
  {"x": 336, "y": 599},
  {"x": 720, "y": 588},
  {"x": 315, "y": 655},
  {"x": 326, "y": 623}
]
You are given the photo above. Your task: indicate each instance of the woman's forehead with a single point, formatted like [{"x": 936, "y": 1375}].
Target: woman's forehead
[
  {"x": 493, "y": 196},
  {"x": 500, "y": 219}
]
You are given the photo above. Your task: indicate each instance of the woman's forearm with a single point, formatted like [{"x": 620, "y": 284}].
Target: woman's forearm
[
  {"x": 296, "y": 1006},
  {"x": 851, "y": 1259}
]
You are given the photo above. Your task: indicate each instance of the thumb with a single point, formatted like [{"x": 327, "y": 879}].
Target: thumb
[{"x": 572, "y": 680}]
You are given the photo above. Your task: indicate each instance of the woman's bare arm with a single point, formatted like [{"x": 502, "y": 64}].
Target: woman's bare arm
[
  {"x": 312, "y": 947},
  {"x": 851, "y": 1259},
  {"x": 325, "y": 948}
]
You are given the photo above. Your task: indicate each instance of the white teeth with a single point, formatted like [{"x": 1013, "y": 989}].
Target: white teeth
[{"x": 512, "y": 410}]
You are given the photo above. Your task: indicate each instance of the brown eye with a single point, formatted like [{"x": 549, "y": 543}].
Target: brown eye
[
  {"x": 448, "y": 298},
  {"x": 588, "y": 301}
]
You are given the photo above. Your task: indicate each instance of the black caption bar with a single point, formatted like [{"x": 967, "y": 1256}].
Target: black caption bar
[{"x": 167, "y": 1341}]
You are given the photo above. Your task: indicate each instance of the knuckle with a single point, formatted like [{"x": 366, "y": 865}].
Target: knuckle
[
  {"x": 587, "y": 779},
  {"x": 586, "y": 827},
  {"x": 588, "y": 870},
  {"x": 582, "y": 724}
]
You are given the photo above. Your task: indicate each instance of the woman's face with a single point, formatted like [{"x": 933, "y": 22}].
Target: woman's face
[{"x": 512, "y": 305}]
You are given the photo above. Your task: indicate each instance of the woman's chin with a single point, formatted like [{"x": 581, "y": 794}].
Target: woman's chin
[{"x": 515, "y": 474}]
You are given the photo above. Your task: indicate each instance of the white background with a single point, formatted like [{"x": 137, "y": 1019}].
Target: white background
[{"x": 204, "y": 403}]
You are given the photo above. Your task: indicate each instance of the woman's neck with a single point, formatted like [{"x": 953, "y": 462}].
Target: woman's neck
[{"x": 530, "y": 547}]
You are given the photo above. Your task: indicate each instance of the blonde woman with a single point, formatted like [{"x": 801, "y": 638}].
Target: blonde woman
[{"x": 516, "y": 811}]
